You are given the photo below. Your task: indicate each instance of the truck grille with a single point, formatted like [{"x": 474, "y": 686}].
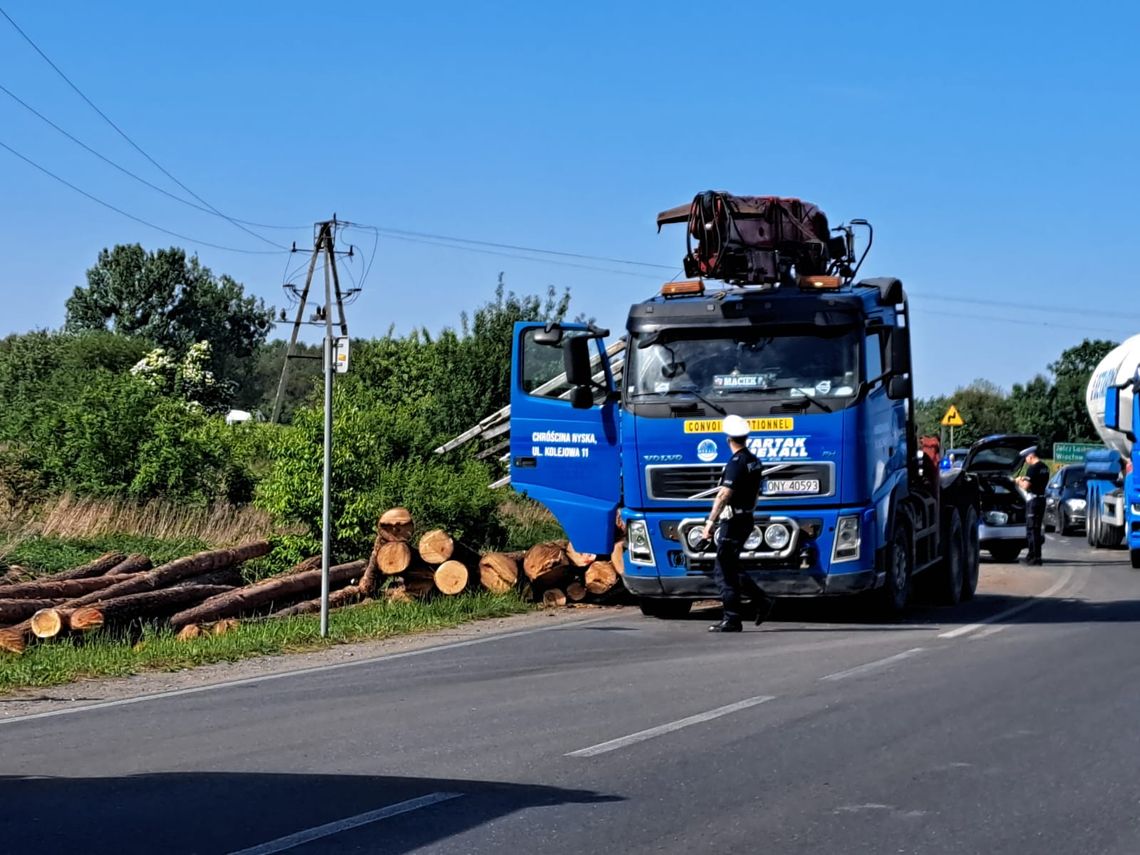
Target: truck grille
[{"x": 681, "y": 483}]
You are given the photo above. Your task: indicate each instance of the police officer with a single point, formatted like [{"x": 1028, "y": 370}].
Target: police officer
[
  {"x": 1034, "y": 481},
  {"x": 732, "y": 517}
]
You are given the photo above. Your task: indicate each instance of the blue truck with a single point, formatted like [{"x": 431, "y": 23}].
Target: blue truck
[
  {"x": 820, "y": 365},
  {"x": 1113, "y": 500}
]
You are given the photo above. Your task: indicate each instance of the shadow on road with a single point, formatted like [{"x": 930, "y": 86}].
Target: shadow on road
[{"x": 219, "y": 812}]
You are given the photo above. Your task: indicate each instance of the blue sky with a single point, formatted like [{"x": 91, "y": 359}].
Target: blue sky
[{"x": 993, "y": 146}]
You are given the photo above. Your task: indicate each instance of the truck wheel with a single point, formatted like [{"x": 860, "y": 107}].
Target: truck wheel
[
  {"x": 895, "y": 593},
  {"x": 1136, "y": 559},
  {"x": 973, "y": 556},
  {"x": 1005, "y": 554},
  {"x": 1092, "y": 523},
  {"x": 952, "y": 570},
  {"x": 664, "y": 609},
  {"x": 1107, "y": 536}
]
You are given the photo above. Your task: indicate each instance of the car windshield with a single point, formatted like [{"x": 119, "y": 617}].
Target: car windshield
[
  {"x": 746, "y": 363},
  {"x": 1075, "y": 478}
]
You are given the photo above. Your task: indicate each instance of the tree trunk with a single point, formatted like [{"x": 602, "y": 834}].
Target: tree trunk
[
  {"x": 617, "y": 557},
  {"x": 579, "y": 559},
  {"x": 498, "y": 572},
  {"x": 337, "y": 599},
  {"x": 191, "y": 630},
  {"x": 146, "y": 604},
  {"x": 576, "y": 592},
  {"x": 436, "y": 546},
  {"x": 545, "y": 564},
  {"x": 394, "y": 557},
  {"x": 395, "y": 524},
  {"x": 230, "y": 577},
  {"x": 65, "y": 589},
  {"x": 175, "y": 571},
  {"x": 14, "y": 611},
  {"x": 397, "y": 594},
  {"x": 48, "y": 623},
  {"x": 370, "y": 578},
  {"x": 224, "y": 626},
  {"x": 311, "y": 563},
  {"x": 419, "y": 582},
  {"x": 134, "y": 563},
  {"x": 264, "y": 593},
  {"x": 15, "y": 638},
  {"x": 451, "y": 577},
  {"x": 553, "y": 598},
  {"x": 601, "y": 576},
  {"x": 100, "y": 566}
]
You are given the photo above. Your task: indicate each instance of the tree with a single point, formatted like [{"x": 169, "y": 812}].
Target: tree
[
  {"x": 1072, "y": 372},
  {"x": 985, "y": 408},
  {"x": 174, "y": 302}
]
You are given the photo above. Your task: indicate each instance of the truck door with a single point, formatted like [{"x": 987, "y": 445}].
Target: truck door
[{"x": 562, "y": 455}]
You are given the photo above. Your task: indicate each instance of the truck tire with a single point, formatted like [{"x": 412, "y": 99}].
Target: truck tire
[
  {"x": 952, "y": 570},
  {"x": 1092, "y": 522},
  {"x": 1005, "y": 554},
  {"x": 665, "y": 609},
  {"x": 895, "y": 593},
  {"x": 1106, "y": 535},
  {"x": 1135, "y": 559},
  {"x": 973, "y": 555}
]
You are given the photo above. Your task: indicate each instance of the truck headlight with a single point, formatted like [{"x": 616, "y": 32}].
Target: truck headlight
[
  {"x": 640, "y": 549},
  {"x": 694, "y": 536},
  {"x": 777, "y": 536},
  {"x": 754, "y": 540},
  {"x": 1136, "y": 509},
  {"x": 846, "y": 540},
  {"x": 996, "y": 518},
  {"x": 1075, "y": 504}
]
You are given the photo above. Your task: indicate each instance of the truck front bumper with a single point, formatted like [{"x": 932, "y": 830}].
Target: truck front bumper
[{"x": 777, "y": 583}]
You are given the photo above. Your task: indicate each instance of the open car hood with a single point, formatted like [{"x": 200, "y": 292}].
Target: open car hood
[{"x": 998, "y": 453}]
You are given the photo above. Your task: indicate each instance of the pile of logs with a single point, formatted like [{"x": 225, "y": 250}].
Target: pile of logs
[{"x": 206, "y": 594}]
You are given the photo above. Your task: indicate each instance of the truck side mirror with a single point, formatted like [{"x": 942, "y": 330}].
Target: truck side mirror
[
  {"x": 576, "y": 358},
  {"x": 1112, "y": 408},
  {"x": 898, "y": 388},
  {"x": 581, "y": 398}
]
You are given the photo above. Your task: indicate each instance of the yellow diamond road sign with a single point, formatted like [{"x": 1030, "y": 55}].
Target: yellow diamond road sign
[{"x": 952, "y": 418}]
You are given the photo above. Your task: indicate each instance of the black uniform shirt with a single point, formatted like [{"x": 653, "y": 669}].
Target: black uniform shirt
[
  {"x": 1038, "y": 475},
  {"x": 743, "y": 474}
]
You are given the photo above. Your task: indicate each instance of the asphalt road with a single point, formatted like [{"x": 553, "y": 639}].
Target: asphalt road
[{"x": 959, "y": 730}]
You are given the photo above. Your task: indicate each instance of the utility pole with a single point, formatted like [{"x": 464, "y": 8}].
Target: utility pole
[{"x": 335, "y": 359}]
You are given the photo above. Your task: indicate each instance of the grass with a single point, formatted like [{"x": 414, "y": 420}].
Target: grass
[
  {"x": 526, "y": 523},
  {"x": 49, "y": 554},
  {"x": 106, "y": 654}
]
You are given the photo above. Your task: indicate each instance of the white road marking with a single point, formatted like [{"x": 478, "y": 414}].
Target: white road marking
[
  {"x": 1010, "y": 612},
  {"x": 986, "y": 633},
  {"x": 866, "y": 667},
  {"x": 642, "y": 735},
  {"x": 293, "y": 840},
  {"x": 301, "y": 672}
]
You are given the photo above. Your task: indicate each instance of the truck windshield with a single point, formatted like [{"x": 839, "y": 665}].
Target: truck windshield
[{"x": 746, "y": 363}]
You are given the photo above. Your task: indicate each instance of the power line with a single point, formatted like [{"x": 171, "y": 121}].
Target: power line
[
  {"x": 126, "y": 137},
  {"x": 1024, "y": 322},
  {"x": 1069, "y": 310},
  {"x": 129, "y": 216}
]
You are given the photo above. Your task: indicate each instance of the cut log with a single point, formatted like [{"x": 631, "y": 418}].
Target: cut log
[
  {"x": 436, "y": 546},
  {"x": 545, "y": 563},
  {"x": 337, "y": 599},
  {"x": 553, "y": 598},
  {"x": 14, "y": 611},
  {"x": 147, "y": 604},
  {"x": 264, "y": 593},
  {"x": 395, "y": 524},
  {"x": 419, "y": 582},
  {"x": 394, "y": 557},
  {"x": 370, "y": 579},
  {"x": 175, "y": 571},
  {"x": 99, "y": 567},
  {"x": 48, "y": 623},
  {"x": 64, "y": 589},
  {"x": 15, "y": 638},
  {"x": 451, "y": 577},
  {"x": 576, "y": 592},
  {"x": 579, "y": 559},
  {"x": 397, "y": 594},
  {"x": 224, "y": 626},
  {"x": 498, "y": 572},
  {"x": 230, "y": 577},
  {"x": 134, "y": 563},
  {"x": 601, "y": 576},
  {"x": 188, "y": 632},
  {"x": 617, "y": 557},
  {"x": 15, "y": 574}
]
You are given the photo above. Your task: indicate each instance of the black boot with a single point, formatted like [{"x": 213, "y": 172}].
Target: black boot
[
  {"x": 727, "y": 625},
  {"x": 763, "y": 609}
]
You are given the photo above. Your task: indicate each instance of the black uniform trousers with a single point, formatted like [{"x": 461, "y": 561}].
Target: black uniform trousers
[
  {"x": 728, "y": 570},
  {"x": 1034, "y": 520}
]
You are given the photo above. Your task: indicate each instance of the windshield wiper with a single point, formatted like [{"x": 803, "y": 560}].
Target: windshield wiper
[
  {"x": 807, "y": 399},
  {"x": 693, "y": 392}
]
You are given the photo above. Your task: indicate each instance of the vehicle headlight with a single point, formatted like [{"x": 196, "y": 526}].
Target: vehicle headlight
[
  {"x": 754, "y": 540},
  {"x": 694, "y": 536},
  {"x": 777, "y": 536},
  {"x": 640, "y": 549},
  {"x": 1135, "y": 509},
  {"x": 846, "y": 540},
  {"x": 1075, "y": 504},
  {"x": 996, "y": 517}
]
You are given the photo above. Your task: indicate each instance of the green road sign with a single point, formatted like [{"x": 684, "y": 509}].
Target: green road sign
[{"x": 1073, "y": 452}]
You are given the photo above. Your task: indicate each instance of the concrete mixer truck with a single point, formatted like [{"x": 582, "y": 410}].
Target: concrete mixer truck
[{"x": 1113, "y": 482}]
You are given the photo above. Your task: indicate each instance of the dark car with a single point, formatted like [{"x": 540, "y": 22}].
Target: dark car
[
  {"x": 1065, "y": 500},
  {"x": 994, "y": 460}
]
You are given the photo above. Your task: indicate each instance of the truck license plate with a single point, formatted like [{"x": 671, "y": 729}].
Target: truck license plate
[{"x": 790, "y": 485}]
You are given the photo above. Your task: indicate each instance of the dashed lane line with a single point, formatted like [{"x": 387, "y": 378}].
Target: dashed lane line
[{"x": 1010, "y": 612}]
